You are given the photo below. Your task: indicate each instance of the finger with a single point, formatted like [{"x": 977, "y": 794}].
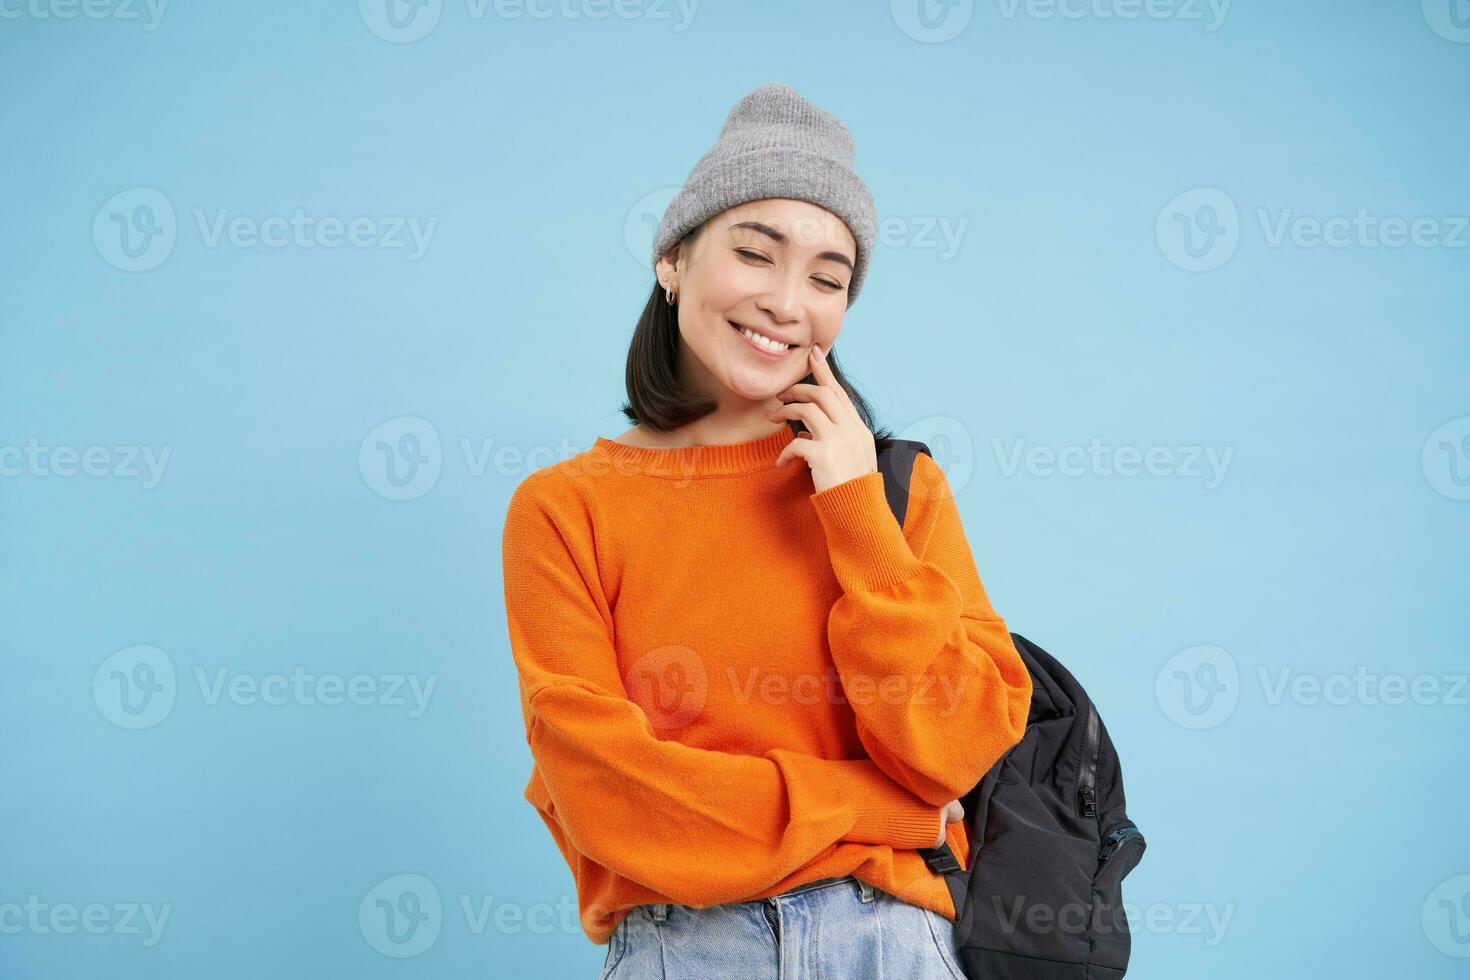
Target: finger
[
  {"x": 795, "y": 448},
  {"x": 816, "y": 420},
  {"x": 826, "y": 382},
  {"x": 830, "y": 402},
  {"x": 822, "y": 372}
]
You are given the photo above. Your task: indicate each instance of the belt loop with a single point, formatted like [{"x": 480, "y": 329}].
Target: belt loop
[
  {"x": 865, "y": 890},
  {"x": 659, "y": 911}
]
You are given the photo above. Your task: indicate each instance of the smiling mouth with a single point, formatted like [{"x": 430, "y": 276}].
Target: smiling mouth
[{"x": 759, "y": 340}]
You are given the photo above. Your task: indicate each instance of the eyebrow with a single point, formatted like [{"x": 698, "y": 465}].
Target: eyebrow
[{"x": 780, "y": 239}]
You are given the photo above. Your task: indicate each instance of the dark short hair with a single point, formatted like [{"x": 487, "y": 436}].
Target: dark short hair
[{"x": 658, "y": 397}]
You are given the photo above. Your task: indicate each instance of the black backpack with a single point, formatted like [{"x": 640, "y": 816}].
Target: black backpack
[{"x": 1050, "y": 840}]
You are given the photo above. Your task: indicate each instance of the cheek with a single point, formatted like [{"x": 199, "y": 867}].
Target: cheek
[
  {"x": 706, "y": 333},
  {"x": 825, "y": 332},
  {"x": 722, "y": 276}
]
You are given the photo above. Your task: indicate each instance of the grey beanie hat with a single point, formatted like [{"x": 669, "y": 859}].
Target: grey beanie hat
[{"x": 776, "y": 144}]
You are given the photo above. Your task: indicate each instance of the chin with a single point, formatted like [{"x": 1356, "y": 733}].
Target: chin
[{"x": 759, "y": 389}]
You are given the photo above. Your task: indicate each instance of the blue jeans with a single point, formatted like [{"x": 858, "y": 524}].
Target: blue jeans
[{"x": 831, "y": 927}]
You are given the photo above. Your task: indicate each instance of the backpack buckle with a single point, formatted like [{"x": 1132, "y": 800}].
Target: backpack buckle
[{"x": 941, "y": 859}]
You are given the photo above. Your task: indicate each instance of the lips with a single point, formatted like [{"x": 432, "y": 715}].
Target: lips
[{"x": 738, "y": 327}]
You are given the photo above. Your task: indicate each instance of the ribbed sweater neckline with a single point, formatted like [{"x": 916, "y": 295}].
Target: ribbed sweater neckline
[{"x": 685, "y": 462}]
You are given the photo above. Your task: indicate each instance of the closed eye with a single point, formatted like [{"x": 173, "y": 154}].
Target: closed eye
[{"x": 747, "y": 253}]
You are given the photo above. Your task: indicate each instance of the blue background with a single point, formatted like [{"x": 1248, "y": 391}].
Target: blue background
[{"x": 1325, "y": 835}]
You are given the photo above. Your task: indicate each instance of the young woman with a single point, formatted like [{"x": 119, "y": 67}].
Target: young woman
[{"x": 750, "y": 695}]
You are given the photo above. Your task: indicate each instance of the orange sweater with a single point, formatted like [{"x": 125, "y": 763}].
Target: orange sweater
[{"x": 732, "y": 685}]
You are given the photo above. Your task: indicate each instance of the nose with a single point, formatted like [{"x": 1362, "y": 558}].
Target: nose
[{"x": 781, "y": 302}]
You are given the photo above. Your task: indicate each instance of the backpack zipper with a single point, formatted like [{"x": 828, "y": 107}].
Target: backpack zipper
[
  {"x": 1116, "y": 839},
  {"x": 1086, "y": 792}
]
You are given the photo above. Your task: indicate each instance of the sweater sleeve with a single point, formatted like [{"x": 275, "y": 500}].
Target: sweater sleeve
[
  {"x": 700, "y": 826},
  {"x": 939, "y": 691}
]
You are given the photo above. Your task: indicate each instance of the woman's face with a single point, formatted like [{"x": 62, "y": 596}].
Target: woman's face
[{"x": 778, "y": 267}]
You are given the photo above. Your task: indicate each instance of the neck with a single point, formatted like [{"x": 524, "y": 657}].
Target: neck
[{"x": 718, "y": 429}]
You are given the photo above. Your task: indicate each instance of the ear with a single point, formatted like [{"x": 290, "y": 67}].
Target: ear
[{"x": 666, "y": 269}]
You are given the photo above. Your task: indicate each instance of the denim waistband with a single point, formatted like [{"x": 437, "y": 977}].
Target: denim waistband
[
  {"x": 660, "y": 910},
  {"x": 824, "y": 883}
]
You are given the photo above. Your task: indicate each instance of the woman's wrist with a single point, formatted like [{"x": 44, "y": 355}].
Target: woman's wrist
[{"x": 885, "y": 812}]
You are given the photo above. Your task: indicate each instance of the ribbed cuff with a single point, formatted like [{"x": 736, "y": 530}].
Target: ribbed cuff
[
  {"x": 886, "y": 812},
  {"x": 866, "y": 545}
]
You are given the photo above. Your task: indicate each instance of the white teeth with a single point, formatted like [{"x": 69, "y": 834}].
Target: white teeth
[{"x": 775, "y": 346}]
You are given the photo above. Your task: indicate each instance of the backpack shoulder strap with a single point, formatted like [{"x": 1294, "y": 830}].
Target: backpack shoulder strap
[{"x": 896, "y": 463}]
